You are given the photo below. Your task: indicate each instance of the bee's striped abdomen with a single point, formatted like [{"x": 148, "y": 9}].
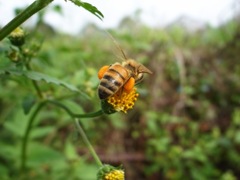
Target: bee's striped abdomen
[{"x": 113, "y": 79}]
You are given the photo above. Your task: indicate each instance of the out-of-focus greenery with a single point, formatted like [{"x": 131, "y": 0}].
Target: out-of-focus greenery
[{"x": 185, "y": 124}]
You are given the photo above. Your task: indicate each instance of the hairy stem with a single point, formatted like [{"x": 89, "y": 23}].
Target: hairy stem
[
  {"x": 23, "y": 16},
  {"x": 88, "y": 144}
]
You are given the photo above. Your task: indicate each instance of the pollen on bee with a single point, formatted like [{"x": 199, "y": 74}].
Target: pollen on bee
[
  {"x": 129, "y": 85},
  {"x": 102, "y": 71}
]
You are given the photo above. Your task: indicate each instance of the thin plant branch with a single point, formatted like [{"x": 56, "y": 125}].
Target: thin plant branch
[
  {"x": 26, "y": 135},
  {"x": 87, "y": 142},
  {"x": 23, "y": 16},
  {"x": 33, "y": 117}
]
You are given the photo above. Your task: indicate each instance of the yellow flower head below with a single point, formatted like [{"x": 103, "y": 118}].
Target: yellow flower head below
[
  {"x": 114, "y": 175},
  {"x": 123, "y": 100},
  {"x": 108, "y": 172}
]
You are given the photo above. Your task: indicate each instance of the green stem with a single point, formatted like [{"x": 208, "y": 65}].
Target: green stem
[
  {"x": 35, "y": 84},
  {"x": 74, "y": 115},
  {"x": 32, "y": 118},
  {"x": 19, "y": 19},
  {"x": 26, "y": 136},
  {"x": 88, "y": 144}
]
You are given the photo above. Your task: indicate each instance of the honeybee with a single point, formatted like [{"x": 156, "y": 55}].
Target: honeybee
[{"x": 120, "y": 75}]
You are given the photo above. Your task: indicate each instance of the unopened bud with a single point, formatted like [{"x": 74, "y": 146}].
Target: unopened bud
[
  {"x": 17, "y": 37},
  {"x": 14, "y": 56}
]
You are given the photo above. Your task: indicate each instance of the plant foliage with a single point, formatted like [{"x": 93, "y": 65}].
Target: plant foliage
[{"x": 185, "y": 124}]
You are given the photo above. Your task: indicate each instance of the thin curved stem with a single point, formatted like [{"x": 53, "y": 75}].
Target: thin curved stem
[
  {"x": 33, "y": 117},
  {"x": 26, "y": 136},
  {"x": 87, "y": 142},
  {"x": 88, "y": 115},
  {"x": 19, "y": 19}
]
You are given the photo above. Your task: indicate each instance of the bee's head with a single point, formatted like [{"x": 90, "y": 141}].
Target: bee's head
[{"x": 137, "y": 69}]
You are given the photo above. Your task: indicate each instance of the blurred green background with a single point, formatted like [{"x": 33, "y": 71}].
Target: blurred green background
[{"x": 185, "y": 124}]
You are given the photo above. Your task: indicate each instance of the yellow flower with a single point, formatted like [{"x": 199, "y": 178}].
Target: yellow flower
[
  {"x": 123, "y": 100},
  {"x": 115, "y": 175},
  {"x": 108, "y": 172}
]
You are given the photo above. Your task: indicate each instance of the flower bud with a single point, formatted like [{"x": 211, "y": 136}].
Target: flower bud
[
  {"x": 17, "y": 37},
  {"x": 14, "y": 56}
]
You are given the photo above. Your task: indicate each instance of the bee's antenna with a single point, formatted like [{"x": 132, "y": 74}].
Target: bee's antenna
[{"x": 118, "y": 46}]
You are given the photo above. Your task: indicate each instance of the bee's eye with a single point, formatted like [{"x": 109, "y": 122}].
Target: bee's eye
[{"x": 139, "y": 77}]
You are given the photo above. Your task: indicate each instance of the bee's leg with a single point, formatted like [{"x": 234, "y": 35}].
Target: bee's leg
[
  {"x": 102, "y": 71},
  {"x": 119, "y": 93},
  {"x": 128, "y": 86}
]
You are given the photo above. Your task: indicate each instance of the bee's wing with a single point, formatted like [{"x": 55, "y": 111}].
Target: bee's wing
[{"x": 123, "y": 56}]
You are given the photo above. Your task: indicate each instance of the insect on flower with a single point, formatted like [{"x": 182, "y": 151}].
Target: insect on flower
[{"x": 117, "y": 82}]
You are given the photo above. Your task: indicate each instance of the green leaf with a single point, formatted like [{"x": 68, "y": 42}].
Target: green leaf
[
  {"x": 39, "y": 76},
  {"x": 92, "y": 9},
  {"x": 28, "y": 103},
  {"x": 9, "y": 151},
  {"x": 41, "y": 131},
  {"x": 4, "y": 171},
  {"x": 39, "y": 154},
  {"x": 70, "y": 151},
  {"x": 18, "y": 123},
  {"x": 36, "y": 76},
  {"x": 237, "y": 137}
]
